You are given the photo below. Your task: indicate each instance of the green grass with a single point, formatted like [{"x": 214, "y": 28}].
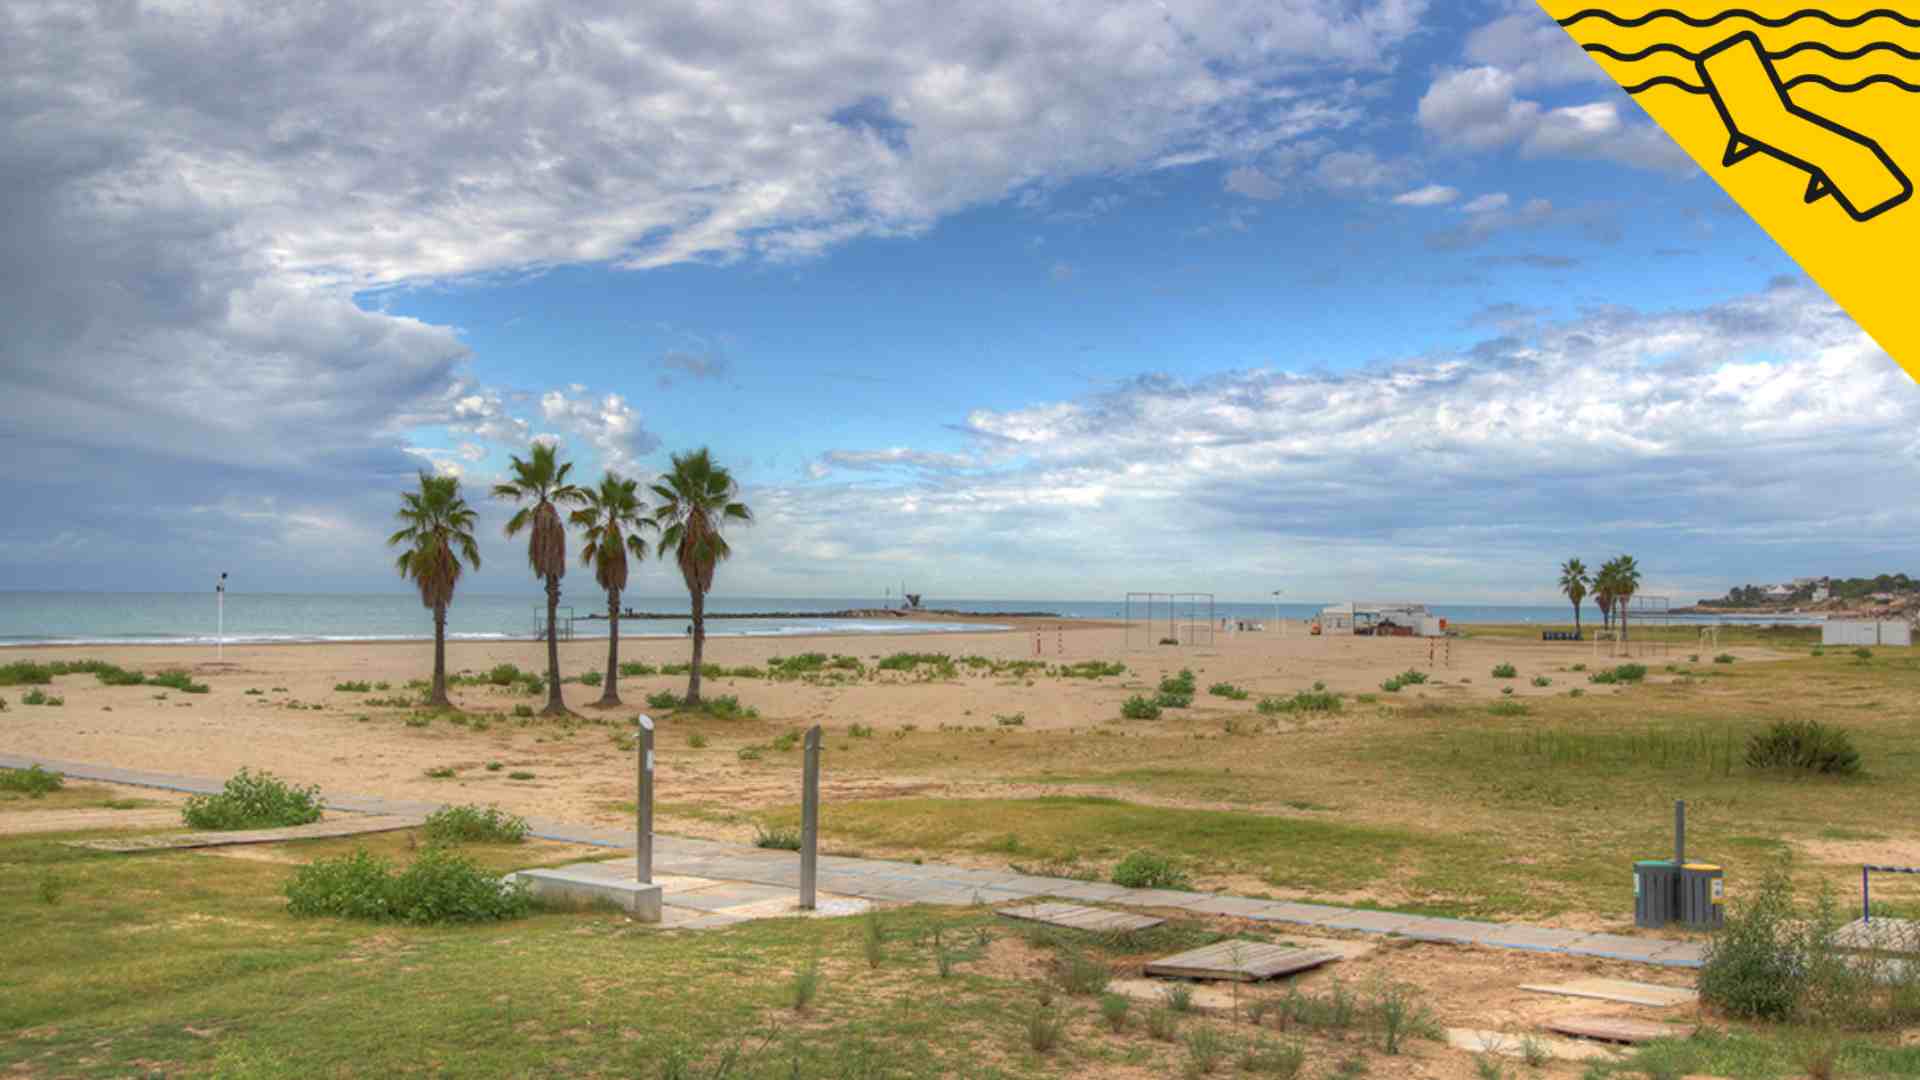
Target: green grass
[{"x": 186, "y": 965}]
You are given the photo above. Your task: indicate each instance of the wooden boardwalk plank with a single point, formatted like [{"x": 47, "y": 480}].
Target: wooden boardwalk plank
[
  {"x": 1244, "y": 961},
  {"x": 1620, "y": 990},
  {"x": 1076, "y": 917},
  {"x": 345, "y": 826},
  {"x": 1619, "y": 1029}
]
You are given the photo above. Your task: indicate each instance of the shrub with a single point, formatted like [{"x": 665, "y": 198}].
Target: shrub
[
  {"x": 1723, "y": 658},
  {"x": 749, "y": 753},
  {"x": 1169, "y": 641},
  {"x": 353, "y": 688},
  {"x": 1229, "y": 691},
  {"x": 1145, "y": 870},
  {"x": 1542, "y": 680},
  {"x": 1179, "y": 997},
  {"x": 25, "y": 673},
  {"x": 1172, "y": 699},
  {"x": 1579, "y": 667},
  {"x": 776, "y": 838},
  {"x": 1863, "y": 653},
  {"x": 442, "y": 772},
  {"x": 1805, "y": 746},
  {"x": 1206, "y": 1049},
  {"x": 439, "y": 887},
  {"x": 1819, "y": 651},
  {"x": 786, "y": 740},
  {"x": 520, "y": 774},
  {"x": 727, "y": 707},
  {"x": 591, "y": 678},
  {"x": 34, "y": 696},
  {"x": 805, "y": 986},
  {"x": 177, "y": 680},
  {"x": 696, "y": 740},
  {"x": 33, "y": 781},
  {"x": 523, "y": 712},
  {"x": 1092, "y": 669},
  {"x": 1163, "y": 1023},
  {"x": 1576, "y": 692},
  {"x": 637, "y": 669},
  {"x": 254, "y": 800},
  {"x": 1018, "y": 719},
  {"x": 1391, "y": 686},
  {"x": 1139, "y": 708},
  {"x": 1304, "y": 701},
  {"x": 1753, "y": 968},
  {"x": 1284, "y": 1060},
  {"x": 494, "y": 766},
  {"x": 475, "y": 825},
  {"x": 1183, "y": 683},
  {"x": 664, "y": 699},
  {"x": 1504, "y": 671},
  {"x": 1046, "y": 1025},
  {"x": 1410, "y": 677},
  {"x": 1113, "y": 1009},
  {"x": 1507, "y": 708},
  {"x": 1080, "y": 973}
]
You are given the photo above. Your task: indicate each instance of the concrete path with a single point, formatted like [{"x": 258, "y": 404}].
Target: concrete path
[{"x": 880, "y": 879}]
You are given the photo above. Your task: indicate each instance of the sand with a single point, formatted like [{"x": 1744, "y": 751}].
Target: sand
[{"x": 578, "y": 778}]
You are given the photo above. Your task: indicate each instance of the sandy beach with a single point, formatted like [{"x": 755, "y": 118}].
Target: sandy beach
[{"x": 300, "y": 727}]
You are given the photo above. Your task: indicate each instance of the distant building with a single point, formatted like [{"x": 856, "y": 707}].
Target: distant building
[
  {"x": 1822, "y": 593},
  {"x": 1779, "y": 592}
]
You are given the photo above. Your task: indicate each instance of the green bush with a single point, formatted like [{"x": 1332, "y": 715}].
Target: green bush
[
  {"x": 1183, "y": 683},
  {"x": 520, "y": 774},
  {"x": 35, "y": 696},
  {"x": 1410, "y": 677},
  {"x": 254, "y": 801},
  {"x": 353, "y": 687},
  {"x": 475, "y": 825},
  {"x": 439, "y": 887},
  {"x": 177, "y": 680},
  {"x": 1092, "y": 669},
  {"x": 1018, "y": 719},
  {"x": 664, "y": 699},
  {"x": 727, "y": 707},
  {"x": 523, "y": 712},
  {"x": 1303, "y": 701},
  {"x": 858, "y": 730},
  {"x": 591, "y": 678},
  {"x": 637, "y": 669},
  {"x": 1505, "y": 671},
  {"x": 1757, "y": 964},
  {"x": 25, "y": 673},
  {"x": 505, "y": 675},
  {"x": 33, "y": 781},
  {"x": 696, "y": 740},
  {"x": 1145, "y": 870},
  {"x": 786, "y": 740},
  {"x": 776, "y": 837},
  {"x": 1542, "y": 680},
  {"x": 1723, "y": 658},
  {"x": 1139, "y": 708},
  {"x": 1804, "y": 746},
  {"x": 1391, "y": 686},
  {"x": 1229, "y": 691},
  {"x": 1172, "y": 699}
]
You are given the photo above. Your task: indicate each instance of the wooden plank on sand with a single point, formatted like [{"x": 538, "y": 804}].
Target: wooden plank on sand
[
  {"x": 355, "y": 825},
  {"x": 1243, "y": 961},
  {"x": 1624, "y": 991},
  {"x": 1620, "y": 1029},
  {"x": 1077, "y": 917}
]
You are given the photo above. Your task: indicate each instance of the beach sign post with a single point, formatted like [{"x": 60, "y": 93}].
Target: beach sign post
[
  {"x": 220, "y": 617},
  {"x": 643, "y": 805},
  {"x": 810, "y": 818}
]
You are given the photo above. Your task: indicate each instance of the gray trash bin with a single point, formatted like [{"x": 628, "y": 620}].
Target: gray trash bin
[
  {"x": 1656, "y": 887},
  {"x": 1703, "y": 896}
]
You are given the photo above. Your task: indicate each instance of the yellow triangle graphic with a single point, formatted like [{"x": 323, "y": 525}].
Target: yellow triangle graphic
[{"x": 1808, "y": 115}]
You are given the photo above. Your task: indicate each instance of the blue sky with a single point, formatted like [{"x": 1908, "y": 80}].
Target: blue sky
[{"x": 1359, "y": 297}]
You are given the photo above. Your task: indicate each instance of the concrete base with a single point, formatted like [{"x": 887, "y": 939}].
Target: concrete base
[{"x": 568, "y": 885}]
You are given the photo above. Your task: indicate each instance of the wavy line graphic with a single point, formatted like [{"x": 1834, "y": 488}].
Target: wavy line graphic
[
  {"x": 1800, "y": 80},
  {"x": 1612, "y": 53},
  {"x": 1742, "y": 13}
]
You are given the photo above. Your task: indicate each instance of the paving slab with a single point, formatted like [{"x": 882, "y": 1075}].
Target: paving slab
[
  {"x": 1449, "y": 931},
  {"x": 1619, "y": 947},
  {"x": 1287, "y": 911},
  {"x": 1174, "y": 898},
  {"x": 319, "y": 830},
  {"x": 1240, "y": 961},
  {"x": 1076, "y": 917},
  {"x": 726, "y": 895},
  {"x": 1534, "y": 939},
  {"x": 1086, "y": 890},
  {"x": 1239, "y": 907},
  {"x": 1508, "y": 1044},
  {"x": 1617, "y": 1029},
  {"x": 1623, "y": 991},
  {"x": 1375, "y": 922}
]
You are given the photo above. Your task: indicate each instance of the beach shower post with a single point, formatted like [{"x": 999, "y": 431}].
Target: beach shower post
[
  {"x": 643, "y": 806},
  {"x": 220, "y": 617},
  {"x": 810, "y": 819}
]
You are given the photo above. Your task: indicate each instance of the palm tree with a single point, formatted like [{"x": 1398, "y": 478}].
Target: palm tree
[
  {"x": 1574, "y": 582},
  {"x": 1626, "y": 582},
  {"x": 611, "y": 516},
  {"x": 438, "y": 522},
  {"x": 542, "y": 481},
  {"x": 697, "y": 499},
  {"x": 1603, "y": 593}
]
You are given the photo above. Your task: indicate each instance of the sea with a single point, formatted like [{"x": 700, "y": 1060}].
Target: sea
[{"x": 134, "y": 618}]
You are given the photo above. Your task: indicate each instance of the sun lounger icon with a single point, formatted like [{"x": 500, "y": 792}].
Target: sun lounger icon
[{"x": 1761, "y": 119}]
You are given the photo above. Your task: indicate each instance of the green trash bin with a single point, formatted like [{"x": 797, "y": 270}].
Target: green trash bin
[
  {"x": 1656, "y": 888},
  {"x": 1703, "y": 896}
]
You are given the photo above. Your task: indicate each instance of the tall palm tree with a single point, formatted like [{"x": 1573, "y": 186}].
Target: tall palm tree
[
  {"x": 1626, "y": 582},
  {"x": 612, "y": 517},
  {"x": 1603, "y": 592},
  {"x": 1574, "y": 582},
  {"x": 697, "y": 499},
  {"x": 438, "y": 523},
  {"x": 542, "y": 481}
]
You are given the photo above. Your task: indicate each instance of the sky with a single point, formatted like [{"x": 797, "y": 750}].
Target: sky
[{"x": 1348, "y": 298}]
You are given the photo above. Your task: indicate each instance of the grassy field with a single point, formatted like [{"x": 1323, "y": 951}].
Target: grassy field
[{"x": 1533, "y": 806}]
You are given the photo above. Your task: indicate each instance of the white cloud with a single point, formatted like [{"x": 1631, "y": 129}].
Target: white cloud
[
  {"x": 1254, "y": 184},
  {"x": 1535, "y": 50},
  {"x": 1431, "y": 195},
  {"x": 605, "y": 422},
  {"x": 1478, "y": 109},
  {"x": 1486, "y": 204}
]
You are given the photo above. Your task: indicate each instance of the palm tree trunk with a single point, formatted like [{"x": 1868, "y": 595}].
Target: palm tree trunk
[
  {"x": 1576, "y": 617},
  {"x": 699, "y": 646},
  {"x": 439, "y": 698},
  {"x": 611, "y": 696},
  {"x": 556, "y": 706}
]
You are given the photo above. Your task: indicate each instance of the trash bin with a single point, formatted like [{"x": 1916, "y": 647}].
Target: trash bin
[
  {"x": 1656, "y": 885},
  {"x": 1703, "y": 896}
]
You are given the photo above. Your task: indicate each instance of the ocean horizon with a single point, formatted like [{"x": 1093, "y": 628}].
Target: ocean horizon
[{"x": 163, "y": 618}]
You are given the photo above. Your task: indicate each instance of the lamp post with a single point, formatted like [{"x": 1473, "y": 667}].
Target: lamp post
[
  {"x": 220, "y": 617},
  {"x": 1278, "y": 626}
]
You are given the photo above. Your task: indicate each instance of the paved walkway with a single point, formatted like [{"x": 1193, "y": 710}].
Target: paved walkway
[{"x": 880, "y": 879}]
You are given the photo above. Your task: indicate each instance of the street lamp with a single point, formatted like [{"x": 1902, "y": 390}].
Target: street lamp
[
  {"x": 1278, "y": 626},
  {"x": 220, "y": 606}
]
